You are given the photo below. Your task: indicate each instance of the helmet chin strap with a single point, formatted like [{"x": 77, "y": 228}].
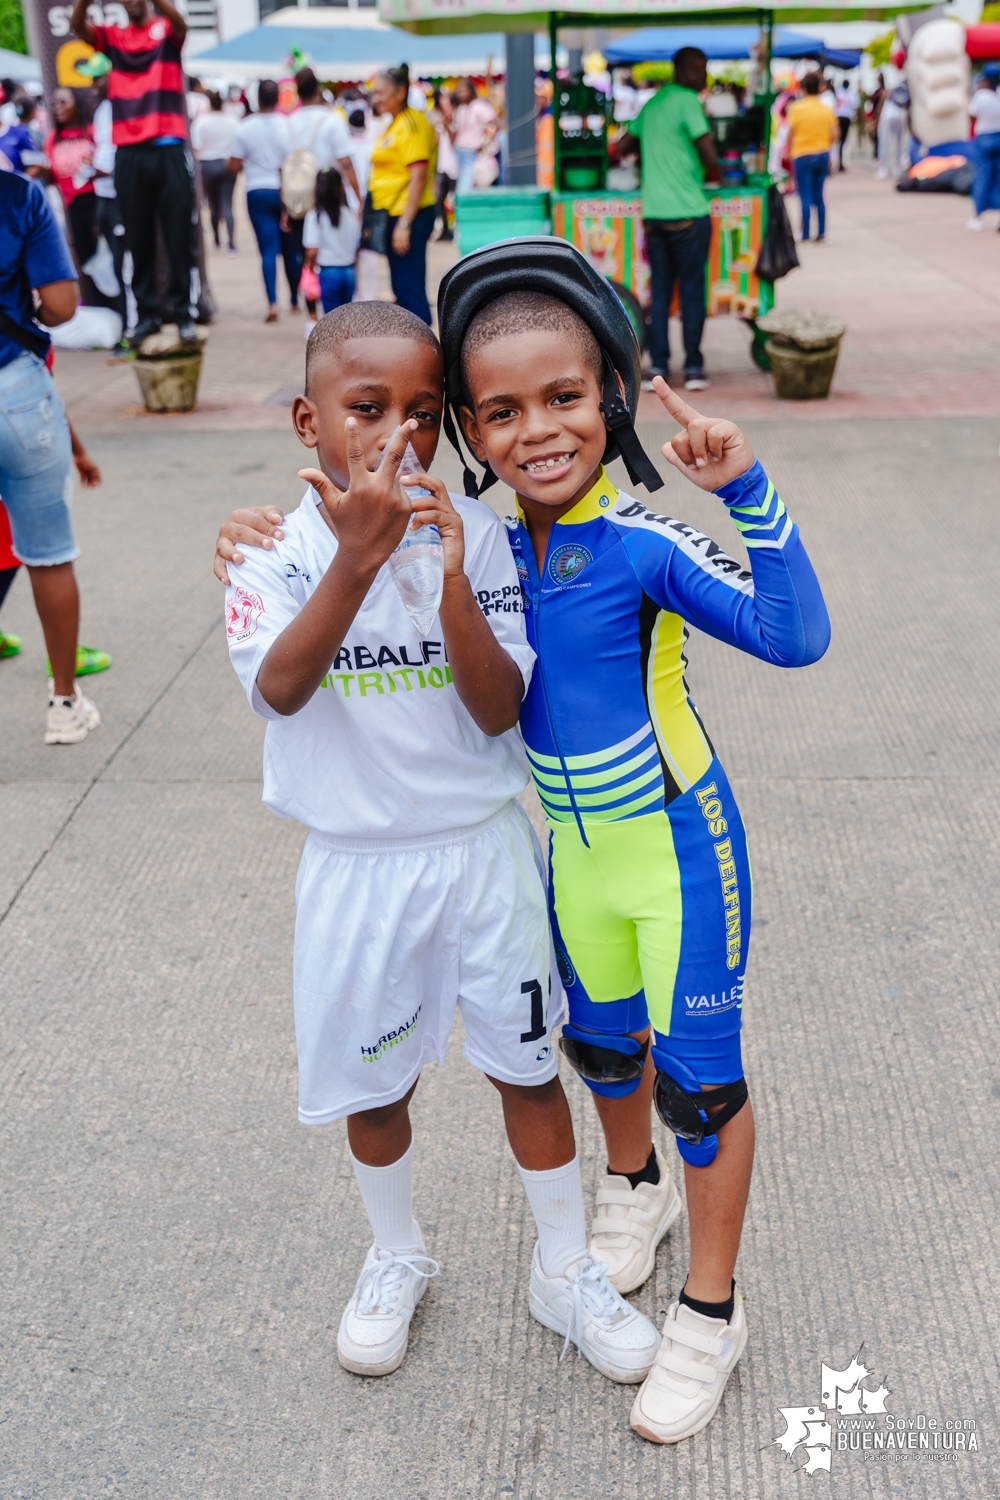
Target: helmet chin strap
[
  {"x": 473, "y": 487},
  {"x": 619, "y": 424}
]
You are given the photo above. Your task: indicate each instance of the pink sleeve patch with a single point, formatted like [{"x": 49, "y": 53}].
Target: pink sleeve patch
[{"x": 243, "y": 610}]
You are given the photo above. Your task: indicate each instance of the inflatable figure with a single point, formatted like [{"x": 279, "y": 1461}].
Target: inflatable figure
[{"x": 937, "y": 71}]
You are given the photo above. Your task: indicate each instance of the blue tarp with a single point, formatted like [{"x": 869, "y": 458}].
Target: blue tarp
[
  {"x": 347, "y": 47},
  {"x": 720, "y": 43}
]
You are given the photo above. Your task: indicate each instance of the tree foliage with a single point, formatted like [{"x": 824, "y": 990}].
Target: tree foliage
[
  {"x": 12, "y": 26},
  {"x": 881, "y": 49}
]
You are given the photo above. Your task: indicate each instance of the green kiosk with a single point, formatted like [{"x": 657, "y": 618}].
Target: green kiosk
[{"x": 606, "y": 225}]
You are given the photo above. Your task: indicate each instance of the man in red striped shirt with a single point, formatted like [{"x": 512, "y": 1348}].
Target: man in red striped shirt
[{"x": 153, "y": 172}]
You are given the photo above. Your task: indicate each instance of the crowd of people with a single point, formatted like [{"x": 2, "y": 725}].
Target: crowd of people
[{"x": 90, "y": 183}]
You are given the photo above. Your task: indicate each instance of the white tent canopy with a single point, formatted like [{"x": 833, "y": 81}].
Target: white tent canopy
[
  {"x": 18, "y": 68},
  {"x": 440, "y": 17}
]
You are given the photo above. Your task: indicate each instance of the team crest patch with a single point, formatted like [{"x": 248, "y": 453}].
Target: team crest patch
[
  {"x": 568, "y": 562},
  {"x": 566, "y": 971},
  {"x": 158, "y": 30},
  {"x": 243, "y": 611}
]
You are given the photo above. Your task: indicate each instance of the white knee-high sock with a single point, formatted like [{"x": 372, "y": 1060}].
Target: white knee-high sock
[
  {"x": 387, "y": 1193},
  {"x": 556, "y": 1199}
]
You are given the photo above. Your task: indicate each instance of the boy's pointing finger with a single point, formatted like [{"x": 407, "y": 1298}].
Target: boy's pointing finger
[{"x": 675, "y": 406}]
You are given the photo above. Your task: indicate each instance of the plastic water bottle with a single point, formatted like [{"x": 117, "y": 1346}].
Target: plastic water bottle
[{"x": 417, "y": 565}]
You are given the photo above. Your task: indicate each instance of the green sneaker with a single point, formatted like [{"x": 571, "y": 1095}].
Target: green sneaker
[
  {"x": 10, "y": 645},
  {"x": 88, "y": 660}
]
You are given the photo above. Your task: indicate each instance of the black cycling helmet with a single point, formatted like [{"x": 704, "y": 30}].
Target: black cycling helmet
[{"x": 554, "y": 266}]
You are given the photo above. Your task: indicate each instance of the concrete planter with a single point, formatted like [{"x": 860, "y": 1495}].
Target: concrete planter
[
  {"x": 168, "y": 371},
  {"x": 801, "y": 375},
  {"x": 802, "y": 348}
]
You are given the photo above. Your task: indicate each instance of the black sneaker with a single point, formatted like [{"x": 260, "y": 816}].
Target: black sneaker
[
  {"x": 142, "y": 331},
  {"x": 187, "y": 332}
]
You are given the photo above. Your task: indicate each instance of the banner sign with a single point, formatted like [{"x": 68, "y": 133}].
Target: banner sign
[{"x": 55, "y": 46}]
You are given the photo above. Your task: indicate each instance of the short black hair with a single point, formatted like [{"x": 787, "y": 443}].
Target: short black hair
[
  {"x": 684, "y": 56},
  {"x": 306, "y": 84},
  {"x": 364, "y": 320},
  {"x": 267, "y": 94},
  {"x": 521, "y": 312},
  {"x": 811, "y": 83}
]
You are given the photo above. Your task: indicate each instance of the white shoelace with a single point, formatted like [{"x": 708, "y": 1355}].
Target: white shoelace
[
  {"x": 382, "y": 1284},
  {"x": 592, "y": 1289}
]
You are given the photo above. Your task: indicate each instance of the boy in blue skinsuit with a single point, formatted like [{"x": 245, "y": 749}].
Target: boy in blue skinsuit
[
  {"x": 649, "y": 878},
  {"x": 650, "y": 886}
]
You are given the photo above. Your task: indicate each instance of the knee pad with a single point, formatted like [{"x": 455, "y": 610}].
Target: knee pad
[
  {"x": 610, "y": 1065},
  {"x": 597, "y": 1045},
  {"x": 680, "y": 1104}
]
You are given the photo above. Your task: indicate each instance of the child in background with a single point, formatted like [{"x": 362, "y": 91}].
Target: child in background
[{"x": 330, "y": 237}]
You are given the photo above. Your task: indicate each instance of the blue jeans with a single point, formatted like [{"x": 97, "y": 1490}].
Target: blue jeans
[
  {"x": 810, "y": 175},
  {"x": 336, "y": 285},
  {"x": 466, "y": 179},
  {"x": 678, "y": 255},
  {"x": 265, "y": 210},
  {"x": 408, "y": 273},
  {"x": 35, "y": 469},
  {"x": 986, "y": 171}
]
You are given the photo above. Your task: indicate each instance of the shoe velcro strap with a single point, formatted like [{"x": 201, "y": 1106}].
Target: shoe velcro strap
[
  {"x": 681, "y": 1333},
  {"x": 676, "y": 1365},
  {"x": 613, "y": 1229},
  {"x": 609, "y": 1192},
  {"x": 611, "y": 1213}
]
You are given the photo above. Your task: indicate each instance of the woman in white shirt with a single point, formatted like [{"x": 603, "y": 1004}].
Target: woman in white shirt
[
  {"x": 261, "y": 145},
  {"x": 330, "y": 236},
  {"x": 212, "y": 137}
]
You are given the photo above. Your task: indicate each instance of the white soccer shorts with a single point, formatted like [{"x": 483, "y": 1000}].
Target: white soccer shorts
[{"x": 392, "y": 934}]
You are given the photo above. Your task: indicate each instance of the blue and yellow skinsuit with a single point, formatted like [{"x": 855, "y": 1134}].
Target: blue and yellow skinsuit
[{"x": 650, "y": 882}]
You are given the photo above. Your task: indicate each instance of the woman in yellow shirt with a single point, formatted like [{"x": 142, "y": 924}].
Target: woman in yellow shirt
[
  {"x": 812, "y": 128},
  {"x": 401, "y": 182}
]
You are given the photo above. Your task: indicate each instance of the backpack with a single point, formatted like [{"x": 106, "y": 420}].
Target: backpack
[{"x": 299, "y": 171}]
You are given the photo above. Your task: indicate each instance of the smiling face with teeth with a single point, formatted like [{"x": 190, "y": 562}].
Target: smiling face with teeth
[{"x": 535, "y": 418}]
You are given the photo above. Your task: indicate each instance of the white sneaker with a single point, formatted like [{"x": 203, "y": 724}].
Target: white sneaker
[
  {"x": 975, "y": 223},
  {"x": 70, "y": 720},
  {"x": 630, "y": 1223},
  {"x": 696, "y": 382},
  {"x": 375, "y": 1326},
  {"x": 616, "y": 1338},
  {"x": 682, "y": 1392}
]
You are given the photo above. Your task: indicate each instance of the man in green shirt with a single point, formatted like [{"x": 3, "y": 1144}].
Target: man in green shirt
[{"x": 678, "y": 154}]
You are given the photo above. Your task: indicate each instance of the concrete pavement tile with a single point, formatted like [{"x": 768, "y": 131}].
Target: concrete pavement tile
[{"x": 31, "y": 817}]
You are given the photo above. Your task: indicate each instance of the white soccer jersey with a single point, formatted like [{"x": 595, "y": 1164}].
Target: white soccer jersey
[{"x": 384, "y": 748}]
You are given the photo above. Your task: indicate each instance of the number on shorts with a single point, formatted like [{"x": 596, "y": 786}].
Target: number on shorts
[{"x": 534, "y": 989}]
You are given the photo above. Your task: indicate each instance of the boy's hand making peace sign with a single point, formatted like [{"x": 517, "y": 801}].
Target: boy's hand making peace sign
[
  {"x": 710, "y": 451},
  {"x": 371, "y": 515}
]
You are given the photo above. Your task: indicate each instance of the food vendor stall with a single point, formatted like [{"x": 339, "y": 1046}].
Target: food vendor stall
[{"x": 607, "y": 225}]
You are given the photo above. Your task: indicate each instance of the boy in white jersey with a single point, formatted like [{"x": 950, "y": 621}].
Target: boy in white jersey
[{"x": 420, "y": 885}]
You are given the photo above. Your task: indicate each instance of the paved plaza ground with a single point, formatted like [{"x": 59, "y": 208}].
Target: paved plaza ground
[{"x": 176, "y": 1249}]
